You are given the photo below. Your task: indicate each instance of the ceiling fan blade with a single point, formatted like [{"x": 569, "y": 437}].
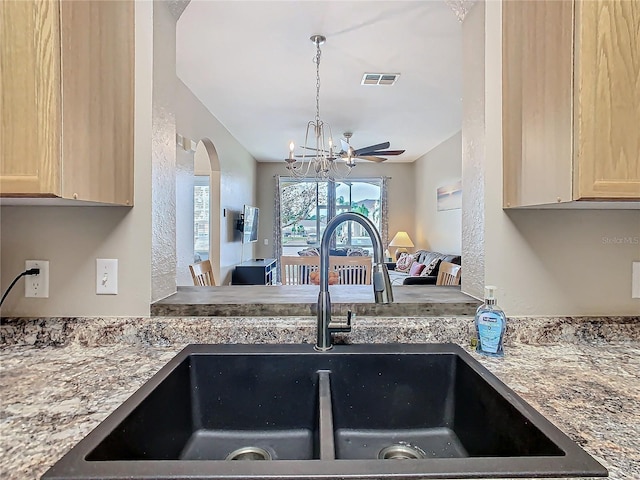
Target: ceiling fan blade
[
  {"x": 372, "y": 158},
  {"x": 345, "y": 145},
  {"x": 387, "y": 152},
  {"x": 371, "y": 148}
]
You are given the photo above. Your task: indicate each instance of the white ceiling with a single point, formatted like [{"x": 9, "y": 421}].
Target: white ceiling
[{"x": 251, "y": 64}]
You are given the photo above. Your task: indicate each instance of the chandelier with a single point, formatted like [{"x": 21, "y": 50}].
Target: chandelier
[{"x": 318, "y": 158}]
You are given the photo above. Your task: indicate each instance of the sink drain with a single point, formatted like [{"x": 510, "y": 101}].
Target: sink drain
[
  {"x": 401, "y": 451},
  {"x": 249, "y": 453}
]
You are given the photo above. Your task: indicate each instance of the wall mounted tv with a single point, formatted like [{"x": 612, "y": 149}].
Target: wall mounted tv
[{"x": 248, "y": 224}]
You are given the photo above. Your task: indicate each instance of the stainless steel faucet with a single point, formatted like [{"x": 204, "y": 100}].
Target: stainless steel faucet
[{"x": 380, "y": 278}]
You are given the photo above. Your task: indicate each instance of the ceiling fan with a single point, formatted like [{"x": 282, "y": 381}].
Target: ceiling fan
[{"x": 373, "y": 153}]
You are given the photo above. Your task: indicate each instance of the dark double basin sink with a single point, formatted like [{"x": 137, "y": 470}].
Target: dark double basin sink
[{"x": 287, "y": 411}]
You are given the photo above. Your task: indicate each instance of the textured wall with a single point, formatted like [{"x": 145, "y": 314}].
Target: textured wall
[
  {"x": 163, "y": 252},
  {"x": 401, "y": 197},
  {"x": 184, "y": 215},
  {"x": 440, "y": 231},
  {"x": 71, "y": 238},
  {"x": 237, "y": 179},
  {"x": 473, "y": 152}
]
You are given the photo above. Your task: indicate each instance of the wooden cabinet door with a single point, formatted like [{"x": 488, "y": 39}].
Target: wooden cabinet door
[
  {"x": 66, "y": 100},
  {"x": 30, "y": 98},
  {"x": 537, "y": 114},
  {"x": 607, "y": 100},
  {"x": 97, "y": 41}
]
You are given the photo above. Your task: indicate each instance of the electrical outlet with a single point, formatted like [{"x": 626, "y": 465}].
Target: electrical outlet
[
  {"x": 37, "y": 286},
  {"x": 106, "y": 276}
]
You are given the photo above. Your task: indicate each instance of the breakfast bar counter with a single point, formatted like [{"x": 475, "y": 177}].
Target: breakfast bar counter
[{"x": 279, "y": 300}]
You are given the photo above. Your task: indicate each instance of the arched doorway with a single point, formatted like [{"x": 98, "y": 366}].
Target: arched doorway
[{"x": 206, "y": 164}]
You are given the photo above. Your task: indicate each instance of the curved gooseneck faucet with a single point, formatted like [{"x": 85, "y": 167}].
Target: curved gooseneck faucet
[{"x": 380, "y": 277}]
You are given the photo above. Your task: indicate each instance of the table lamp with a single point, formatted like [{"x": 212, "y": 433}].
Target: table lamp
[{"x": 401, "y": 241}]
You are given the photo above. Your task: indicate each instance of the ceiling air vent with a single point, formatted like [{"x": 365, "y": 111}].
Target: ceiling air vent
[{"x": 379, "y": 78}]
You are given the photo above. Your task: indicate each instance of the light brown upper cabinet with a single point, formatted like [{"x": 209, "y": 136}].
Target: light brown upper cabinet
[
  {"x": 66, "y": 100},
  {"x": 571, "y": 101}
]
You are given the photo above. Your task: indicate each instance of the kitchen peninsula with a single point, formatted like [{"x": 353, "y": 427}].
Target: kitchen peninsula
[{"x": 300, "y": 300}]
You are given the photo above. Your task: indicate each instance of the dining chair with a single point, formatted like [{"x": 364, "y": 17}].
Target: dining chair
[
  {"x": 352, "y": 270},
  {"x": 448, "y": 274},
  {"x": 202, "y": 274},
  {"x": 296, "y": 270}
]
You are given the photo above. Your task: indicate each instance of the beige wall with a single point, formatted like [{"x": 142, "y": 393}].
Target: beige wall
[
  {"x": 184, "y": 214},
  {"x": 440, "y": 231},
  {"x": 71, "y": 238},
  {"x": 473, "y": 152},
  {"x": 559, "y": 262},
  {"x": 163, "y": 140},
  {"x": 401, "y": 197},
  {"x": 177, "y": 110},
  {"x": 556, "y": 262},
  {"x": 237, "y": 175}
]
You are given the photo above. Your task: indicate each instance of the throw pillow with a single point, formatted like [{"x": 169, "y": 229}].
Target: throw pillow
[
  {"x": 309, "y": 252},
  {"x": 416, "y": 268},
  {"x": 429, "y": 257},
  {"x": 356, "y": 252},
  {"x": 404, "y": 263},
  {"x": 429, "y": 269}
]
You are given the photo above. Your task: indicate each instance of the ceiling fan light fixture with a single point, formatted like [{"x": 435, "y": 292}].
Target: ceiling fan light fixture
[{"x": 318, "y": 156}]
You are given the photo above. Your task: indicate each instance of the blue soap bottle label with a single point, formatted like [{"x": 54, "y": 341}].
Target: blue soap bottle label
[{"x": 490, "y": 327}]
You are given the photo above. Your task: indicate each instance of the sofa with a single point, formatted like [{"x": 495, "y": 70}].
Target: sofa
[{"x": 426, "y": 258}]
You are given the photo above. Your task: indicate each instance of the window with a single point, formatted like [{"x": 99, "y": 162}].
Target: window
[
  {"x": 305, "y": 208},
  {"x": 201, "y": 218},
  {"x": 361, "y": 196}
]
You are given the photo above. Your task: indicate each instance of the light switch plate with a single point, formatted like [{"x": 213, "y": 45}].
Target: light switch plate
[
  {"x": 106, "y": 276},
  {"x": 635, "y": 280}
]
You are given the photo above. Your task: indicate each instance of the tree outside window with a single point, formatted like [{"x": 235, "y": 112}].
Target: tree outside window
[
  {"x": 304, "y": 212},
  {"x": 201, "y": 218}
]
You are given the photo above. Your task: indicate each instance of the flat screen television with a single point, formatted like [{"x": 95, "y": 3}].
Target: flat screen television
[{"x": 250, "y": 224}]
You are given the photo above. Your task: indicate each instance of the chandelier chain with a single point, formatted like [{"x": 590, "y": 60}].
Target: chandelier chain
[
  {"x": 318, "y": 158},
  {"x": 317, "y": 61}
]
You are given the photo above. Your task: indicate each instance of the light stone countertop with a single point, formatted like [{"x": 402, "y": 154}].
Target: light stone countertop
[
  {"x": 60, "y": 377},
  {"x": 53, "y": 396}
]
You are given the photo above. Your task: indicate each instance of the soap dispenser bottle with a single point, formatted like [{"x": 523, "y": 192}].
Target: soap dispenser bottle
[{"x": 491, "y": 324}]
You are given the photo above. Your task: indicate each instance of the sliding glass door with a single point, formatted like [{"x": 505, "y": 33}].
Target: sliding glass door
[
  {"x": 361, "y": 196},
  {"x": 305, "y": 206}
]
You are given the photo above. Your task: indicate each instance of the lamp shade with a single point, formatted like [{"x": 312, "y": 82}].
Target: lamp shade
[{"x": 401, "y": 240}]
